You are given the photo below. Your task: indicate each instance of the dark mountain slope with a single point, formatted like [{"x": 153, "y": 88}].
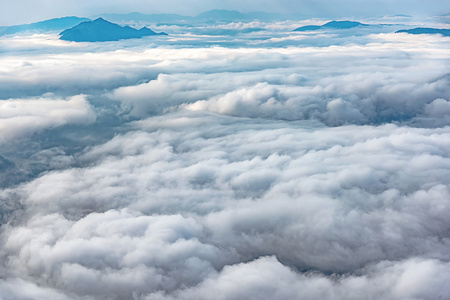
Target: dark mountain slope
[
  {"x": 422, "y": 30},
  {"x": 101, "y": 30},
  {"x": 332, "y": 25},
  {"x": 57, "y": 24}
]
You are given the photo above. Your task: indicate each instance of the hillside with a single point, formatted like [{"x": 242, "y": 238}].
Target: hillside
[{"x": 101, "y": 30}]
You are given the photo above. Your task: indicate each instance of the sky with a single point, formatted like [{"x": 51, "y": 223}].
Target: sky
[
  {"x": 26, "y": 11},
  {"x": 226, "y": 161}
]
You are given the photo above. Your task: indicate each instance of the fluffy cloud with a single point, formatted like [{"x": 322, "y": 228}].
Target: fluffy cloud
[
  {"x": 267, "y": 278},
  {"x": 230, "y": 173},
  {"x": 23, "y": 117},
  {"x": 166, "y": 196}
]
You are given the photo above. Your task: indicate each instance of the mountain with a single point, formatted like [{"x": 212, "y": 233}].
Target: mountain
[
  {"x": 101, "y": 30},
  {"x": 422, "y": 30},
  {"x": 57, "y": 24},
  {"x": 208, "y": 17},
  {"x": 222, "y": 15},
  {"x": 308, "y": 28},
  {"x": 332, "y": 25},
  {"x": 151, "y": 18}
]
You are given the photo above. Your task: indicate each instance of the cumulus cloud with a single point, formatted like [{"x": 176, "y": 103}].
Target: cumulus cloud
[
  {"x": 166, "y": 197},
  {"x": 267, "y": 278},
  {"x": 383, "y": 90},
  {"x": 23, "y": 117},
  {"x": 227, "y": 172}
]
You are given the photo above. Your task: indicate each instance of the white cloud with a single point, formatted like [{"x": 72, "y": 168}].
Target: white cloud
[
  {"x": 314, "y": 172},
  {"x": 195, "y": 192},
  {"x": 23, "y": 117},
  {"x": 21, "y": 289},
  {"x": 267, "y": 278}
]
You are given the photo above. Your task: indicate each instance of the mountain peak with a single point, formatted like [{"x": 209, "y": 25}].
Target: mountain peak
[
  {"x": 332, "y": 25},
  {"x": 343, "y": 24},
  {"x": 101, "y": 30},
  {"x": 100, "y": 20}
]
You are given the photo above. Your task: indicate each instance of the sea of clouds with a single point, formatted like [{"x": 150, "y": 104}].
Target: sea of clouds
[{"x": 264, "y": 165}]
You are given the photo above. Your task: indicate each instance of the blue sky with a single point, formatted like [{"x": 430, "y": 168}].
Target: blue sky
[{"x": 23, "y": 11}]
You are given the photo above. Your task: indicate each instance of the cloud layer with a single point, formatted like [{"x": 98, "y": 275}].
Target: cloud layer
[
  {"x": 23, "y": 117},
  {"x": 176, "y": 172}
]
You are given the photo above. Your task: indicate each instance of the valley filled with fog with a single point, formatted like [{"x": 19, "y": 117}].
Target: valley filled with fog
[{"x": 233, "y": 160}]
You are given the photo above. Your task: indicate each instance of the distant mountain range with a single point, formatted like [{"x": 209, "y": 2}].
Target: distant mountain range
[
  {"x": 101, "y": 30},
  {"x": 422, "y": 30},
  {"x": 403, "y": 16},
  {"x": 86, "y": 30},
  {"x": 208, "y": 17},
  {"x": 57, "y": 24},
  {"x": 220, "y": 15},
  {"x": 147, "y": 18},
  {"x": 332, "y": 25}
]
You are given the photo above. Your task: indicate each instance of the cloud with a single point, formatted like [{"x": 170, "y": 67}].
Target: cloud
[
  {"x": 166, "y": 197},
  {"x": 23, "y": 117},
  {"x": 140, "y": 265},
  {"x": 267, "y": 278},
  {"x": 354, "y": 94},
  {"x": 22, "y": 289},
  {"x": 231, "y": 172}
]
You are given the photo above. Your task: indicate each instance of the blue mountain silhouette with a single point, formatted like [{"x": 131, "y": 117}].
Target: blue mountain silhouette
[
  {"x": 423, "y": 30},
  {"x": 331, "y": 25},
  {"x": 56, "y": 24},
  {"x": 101, "y": 30}
]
